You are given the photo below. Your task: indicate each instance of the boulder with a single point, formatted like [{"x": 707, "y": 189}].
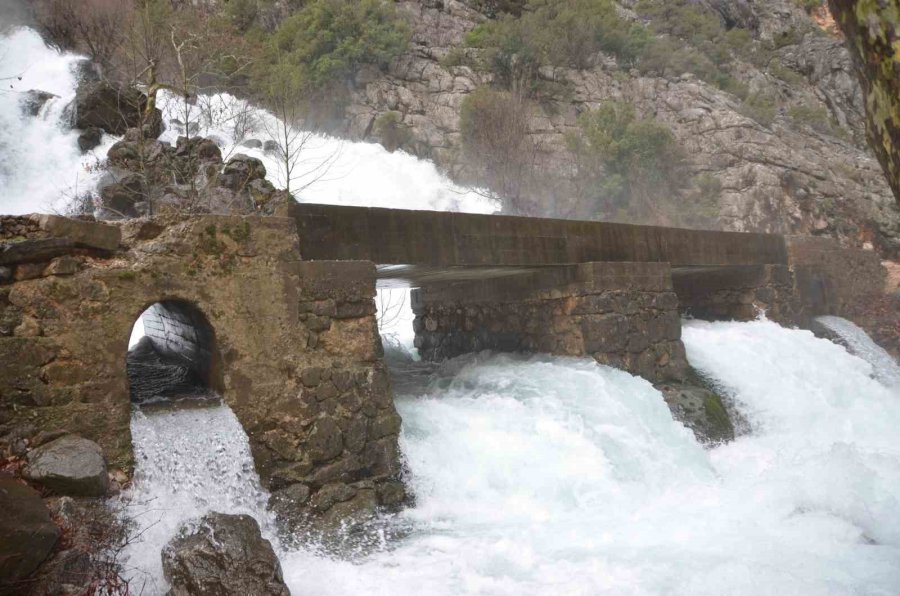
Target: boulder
[
  {"x": 226, "y": 555},
  {"x": 240, "y": 171},
  {"x": 699, "y": 409},
  {"x": 70, "y": 465},
  {"x": 27, "y": 534},
  {"x": 34, "y": 100},
  {"x": 89, "y": 139},
  {"x": 113, "y": 109},
  {"x": 123, "y": 198}
]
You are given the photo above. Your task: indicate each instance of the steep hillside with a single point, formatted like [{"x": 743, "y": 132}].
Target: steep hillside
[{"x": 781, "y": 150}]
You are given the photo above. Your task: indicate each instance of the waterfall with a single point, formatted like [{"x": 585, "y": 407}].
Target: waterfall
[
  {"x": 555, "y": 475},
  {"x": 41, "y": 167},
  {"x": 191, "y": 458},
  {"x": 532, "y": 475},
  {"x": 884, "y": 367}
]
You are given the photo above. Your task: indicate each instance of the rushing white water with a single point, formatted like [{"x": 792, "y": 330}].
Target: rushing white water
[
  {"x": 535, "y": 475},
  {"x": 330, "y": 170},
  {"x": 41, "y": 167},
  {"x": 552, "y": 475},
  {"x": 884, "y": 367},
  {"x": 189, "y": 460}
]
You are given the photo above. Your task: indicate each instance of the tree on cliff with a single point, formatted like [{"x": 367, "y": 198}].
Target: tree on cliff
[{"x": 872, "y": 28}]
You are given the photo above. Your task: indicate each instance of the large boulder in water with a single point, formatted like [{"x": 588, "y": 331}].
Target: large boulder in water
[
  {"x": 225, "y": 556},
  {"x": 70, "y": 465},
  {"x": 34, "y": 100},
  {"x": 27, "y": 534},
  {"x": 113, "y": 109},
  {"x": 701, "y": 410}
]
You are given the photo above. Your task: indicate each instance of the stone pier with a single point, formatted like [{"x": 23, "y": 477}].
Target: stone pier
[
  {"x": 292, "y": 346},
  {"x": 622, "y": 314}
]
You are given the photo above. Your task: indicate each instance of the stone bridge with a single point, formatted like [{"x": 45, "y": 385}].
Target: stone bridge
[{"x": 277, "y": 314}]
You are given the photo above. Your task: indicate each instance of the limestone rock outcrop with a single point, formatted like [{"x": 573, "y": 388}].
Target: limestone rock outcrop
[
  {"x": 780, "y": 176},
  {"x": 70, "y": 465},
  {"x": 225, "y": 556},
  {"x": 114, "y": 109}
]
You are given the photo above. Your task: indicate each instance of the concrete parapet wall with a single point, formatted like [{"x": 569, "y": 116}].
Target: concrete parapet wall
[
  {"x": 831, "y": 279},
  {"x": 439, "y": 239},
  {"x": 623, "y": 314}
]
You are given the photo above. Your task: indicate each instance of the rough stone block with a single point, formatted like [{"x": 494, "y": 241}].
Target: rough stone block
[{"x": 83, "y": 233}]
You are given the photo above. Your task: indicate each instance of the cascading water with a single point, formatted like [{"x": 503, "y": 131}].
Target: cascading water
[
  {"x": 330, "y": 170},
  {"x": 884, "y": 367},
  {"x": 537, "y": 475},
  {"x": 41, "y": 168},
  {"x": 553, "y": 475},
  {"x": 190, "y": 458}
]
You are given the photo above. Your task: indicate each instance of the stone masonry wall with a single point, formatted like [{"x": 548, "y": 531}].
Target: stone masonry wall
[
  {"x": 831, "y": 279},
  {"x": 738, "y": 293},
  {"x": 623, "y": 314},
  {"x": 297, "y": 342}
]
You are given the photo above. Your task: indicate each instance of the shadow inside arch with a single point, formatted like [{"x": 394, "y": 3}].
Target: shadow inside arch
[{"x": 173, "y": 355}]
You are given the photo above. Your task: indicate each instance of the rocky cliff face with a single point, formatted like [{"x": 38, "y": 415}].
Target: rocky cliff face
[{"x": 812, "y": 175}]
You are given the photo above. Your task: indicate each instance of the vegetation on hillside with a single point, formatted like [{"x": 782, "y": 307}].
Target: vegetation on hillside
[
  {"x": 633, "y": 168},
  {"x": 873, "y": 38}
]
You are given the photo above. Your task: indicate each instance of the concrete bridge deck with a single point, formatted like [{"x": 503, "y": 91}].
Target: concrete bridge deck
[{"x": 415, "y": 247}]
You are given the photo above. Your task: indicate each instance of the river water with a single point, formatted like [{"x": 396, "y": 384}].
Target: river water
[{"x": 537, "y": 475}]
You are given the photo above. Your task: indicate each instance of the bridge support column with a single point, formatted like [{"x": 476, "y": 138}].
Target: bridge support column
[{"x": 622, "y": 314}]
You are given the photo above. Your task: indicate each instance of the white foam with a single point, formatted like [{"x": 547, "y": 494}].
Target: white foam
[
  {"x": 41, "y": 166},
  {"x": 884, "y": 367},
  {"x": 188, "y": 462},
  {"x": 551, "y": 475}
]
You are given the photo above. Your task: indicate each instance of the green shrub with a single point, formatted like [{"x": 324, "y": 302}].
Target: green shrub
[
  {"x": 328, "y": 40},
  {"x": 761, "y": 107},
  {"x": 391, "y": 131},
  {"x": 788, "y": 37},
  {"x": 695, "y": 41},
  {"x": 784, "y": 73},
  {"x": 554, "y": 33},
  {"x": 495, "y": 8},
  {"x": 808, "y": 5},
  {"x": 626, "y": 165},
  {"x": 817, "y": 118},
  {"x": 243, "y": 13},
  {"x": 455, "y": 57}
]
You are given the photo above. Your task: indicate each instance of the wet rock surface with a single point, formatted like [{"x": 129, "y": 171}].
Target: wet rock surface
[
  {"x": 27, "y": 534},
  {"x": 225, "y": 555},
  {"x": 69, "y": 465},
  {"x": 701, "y": 410},
  {"x": 99, "y": 104},
  {"x": 34, "y": 101}
]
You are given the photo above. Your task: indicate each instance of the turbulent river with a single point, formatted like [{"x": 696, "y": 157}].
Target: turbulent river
[{"x": 536, "y": 475}]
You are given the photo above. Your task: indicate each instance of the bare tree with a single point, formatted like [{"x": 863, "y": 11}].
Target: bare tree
[
  {"x": 285, "y": 98},
  {"x": 97, "y": 27},
  {"x": 498, "y": 148},
  {"x": 391, "y": 304}
]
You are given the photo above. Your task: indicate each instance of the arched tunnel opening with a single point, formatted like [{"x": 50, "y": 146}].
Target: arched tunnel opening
[{"x": 172, "y": 354}]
